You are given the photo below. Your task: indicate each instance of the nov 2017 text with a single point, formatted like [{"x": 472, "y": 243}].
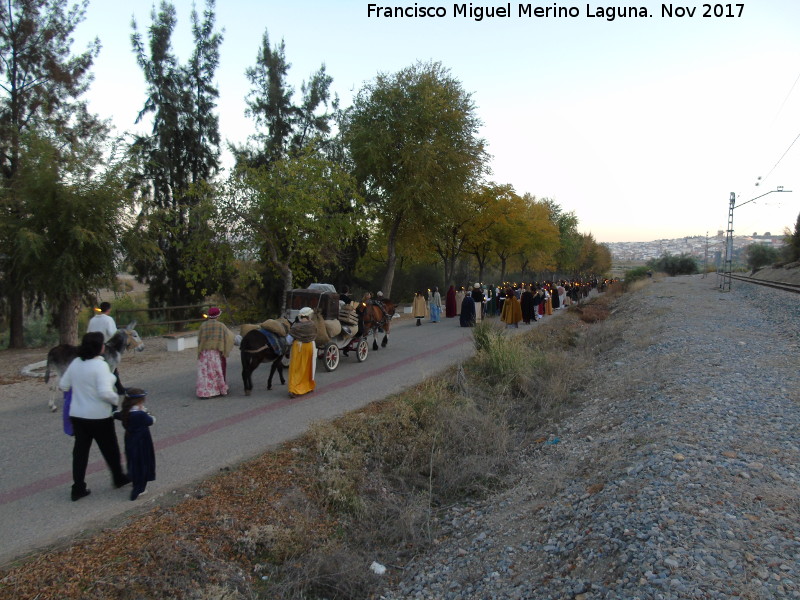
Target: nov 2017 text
[{"x": 478, "y": 12}]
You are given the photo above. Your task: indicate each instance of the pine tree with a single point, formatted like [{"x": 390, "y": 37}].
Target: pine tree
[
  {"x": 283, "y": 127},
  {"x": 181, "y": 154}
]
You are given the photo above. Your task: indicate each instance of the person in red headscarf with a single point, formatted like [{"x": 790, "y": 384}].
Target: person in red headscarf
[
  {"x": 450, "y": 307},
  {"x": 214, "y": 343}
]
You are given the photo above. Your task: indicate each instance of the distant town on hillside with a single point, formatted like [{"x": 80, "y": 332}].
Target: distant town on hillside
[{"x": 710, "y": 248}]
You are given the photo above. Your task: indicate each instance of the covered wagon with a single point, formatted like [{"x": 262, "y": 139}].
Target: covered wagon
[{"x": 336, "y": 326}]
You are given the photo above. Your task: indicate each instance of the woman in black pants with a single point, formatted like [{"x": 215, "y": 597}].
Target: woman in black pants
[{"x": 93, "y": 400}]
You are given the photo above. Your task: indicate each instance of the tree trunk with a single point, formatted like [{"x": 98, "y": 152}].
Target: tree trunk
[
  {"x": 481, "y": 260},
  {"x": 391, "y": 256},
  {"x": 288, "y": 282},
  {"x": 16, "y": 320},
  {"x": 68, "y": 321},
  {"x": 449, "y": 269}
]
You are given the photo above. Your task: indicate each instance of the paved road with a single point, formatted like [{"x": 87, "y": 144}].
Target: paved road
[{"x": 194, "y": 438}]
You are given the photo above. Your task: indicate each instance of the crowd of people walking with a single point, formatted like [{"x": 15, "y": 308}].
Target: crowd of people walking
[{"x": 513, "y": 303}]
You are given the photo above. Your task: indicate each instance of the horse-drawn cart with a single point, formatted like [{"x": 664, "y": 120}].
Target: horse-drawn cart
[
  {"x": 336, "y": 325},
  {"x": 332, "y": 351}
]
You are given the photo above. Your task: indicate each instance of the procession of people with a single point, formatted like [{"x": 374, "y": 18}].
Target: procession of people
[
  {"x": 97, "y": 397},
  {"x": 515, "y": 303}
]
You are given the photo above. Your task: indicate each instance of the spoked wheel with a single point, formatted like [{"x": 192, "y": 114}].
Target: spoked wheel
[
  {"x": 362, "y": 349},
  {"x": 331, "y": 357}
]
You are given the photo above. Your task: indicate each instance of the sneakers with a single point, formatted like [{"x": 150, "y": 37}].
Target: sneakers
[
  {"x": 135, "y": 494},
  {"x": 81, "y": 494}
]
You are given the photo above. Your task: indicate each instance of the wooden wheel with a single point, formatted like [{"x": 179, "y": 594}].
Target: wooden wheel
[
  {"x": 331, "y": 357},
  {"x": 362, "y": 349}
]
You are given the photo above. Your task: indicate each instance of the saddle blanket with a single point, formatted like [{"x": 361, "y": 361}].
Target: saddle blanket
[{"x": 277, "y": 343}]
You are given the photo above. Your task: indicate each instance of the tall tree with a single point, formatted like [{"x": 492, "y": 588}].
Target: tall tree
[
  {"x": 571, "y": 241},
  {"x": 76, "y": 198},
  {"x": 283, "y": 127},
  {"x": 413, "y": 137},
  {"x": 292, "y": 213},
  {"x": 202, "y": 122},
  {"x": 41, "y": 82},
  {"x": 459, "y": 222},
  {"x": 540, "y": 239},
  {"x": 509, "y": 232},
  {"x": 593, "y": 258},
  {"x": 499, "y": 204},
  {"x": 181, "y": 152}
]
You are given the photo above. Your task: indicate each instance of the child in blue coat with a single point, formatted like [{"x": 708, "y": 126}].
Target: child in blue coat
[{"x": 139, "y": 450}]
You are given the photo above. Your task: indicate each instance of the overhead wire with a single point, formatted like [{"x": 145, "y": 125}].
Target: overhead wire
[
  {"x": 781, "y": 158},
  {"x": 775, "y": 118},
  {"x": 791, "y": 89}
]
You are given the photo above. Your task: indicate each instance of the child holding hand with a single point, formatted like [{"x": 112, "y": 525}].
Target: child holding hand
[{"x": 139, "y": 450}]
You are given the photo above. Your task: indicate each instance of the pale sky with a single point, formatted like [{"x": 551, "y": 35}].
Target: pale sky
[{"x": 642, "y": 126}]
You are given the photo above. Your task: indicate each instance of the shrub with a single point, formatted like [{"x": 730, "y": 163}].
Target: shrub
[
  {"x": 482, "y": 332},
  {"x": 635, "y": 274},
  {"x": 505, "y": 359},
  {"x": 38, "y": 333},
  {"x": 682, "y": 264},
  {"x": 592, "y": 313},
  {"x": 761, "y": 255}
]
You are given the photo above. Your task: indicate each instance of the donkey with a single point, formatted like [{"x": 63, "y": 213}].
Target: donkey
[
  {"x": 59, "y": 358},
  {"x": 256, "y": 349}
]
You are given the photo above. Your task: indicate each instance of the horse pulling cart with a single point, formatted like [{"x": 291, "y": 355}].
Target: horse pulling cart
[{"x": 336, "y": 325}]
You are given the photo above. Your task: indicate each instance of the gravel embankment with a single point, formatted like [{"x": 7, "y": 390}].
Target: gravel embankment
[{"x": 678, "y": 478}]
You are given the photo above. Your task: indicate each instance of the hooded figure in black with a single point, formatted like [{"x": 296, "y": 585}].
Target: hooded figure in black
[
  {"x": 467, "y": 316},
  {"x": 526, "y": 302}
]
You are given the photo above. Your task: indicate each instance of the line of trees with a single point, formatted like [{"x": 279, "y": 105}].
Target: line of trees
[{"x": 317, "y": 192}]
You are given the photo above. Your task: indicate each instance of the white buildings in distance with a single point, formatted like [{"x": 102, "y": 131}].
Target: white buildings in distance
[{"x": 699, "y": 246}]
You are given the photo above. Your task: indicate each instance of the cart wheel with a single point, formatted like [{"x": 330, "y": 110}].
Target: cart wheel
[
  {"x": 362, "y": 349},
  {"x": 331, "y": 357}
]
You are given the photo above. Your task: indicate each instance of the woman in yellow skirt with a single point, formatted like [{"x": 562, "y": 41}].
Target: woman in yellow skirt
[{"x": 303, "y": 361}]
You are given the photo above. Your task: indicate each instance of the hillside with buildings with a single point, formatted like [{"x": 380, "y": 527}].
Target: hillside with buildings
[{"x": 704, "y": 248}]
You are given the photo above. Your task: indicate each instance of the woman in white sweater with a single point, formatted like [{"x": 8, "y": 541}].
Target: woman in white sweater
[{"x": 93, "y": 401}]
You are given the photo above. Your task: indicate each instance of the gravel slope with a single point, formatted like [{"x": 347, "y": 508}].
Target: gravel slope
[{"x": 678, "y": 478}]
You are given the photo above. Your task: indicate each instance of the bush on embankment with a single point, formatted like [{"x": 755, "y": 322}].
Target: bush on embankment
[{"x": 307, "y": 520}]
